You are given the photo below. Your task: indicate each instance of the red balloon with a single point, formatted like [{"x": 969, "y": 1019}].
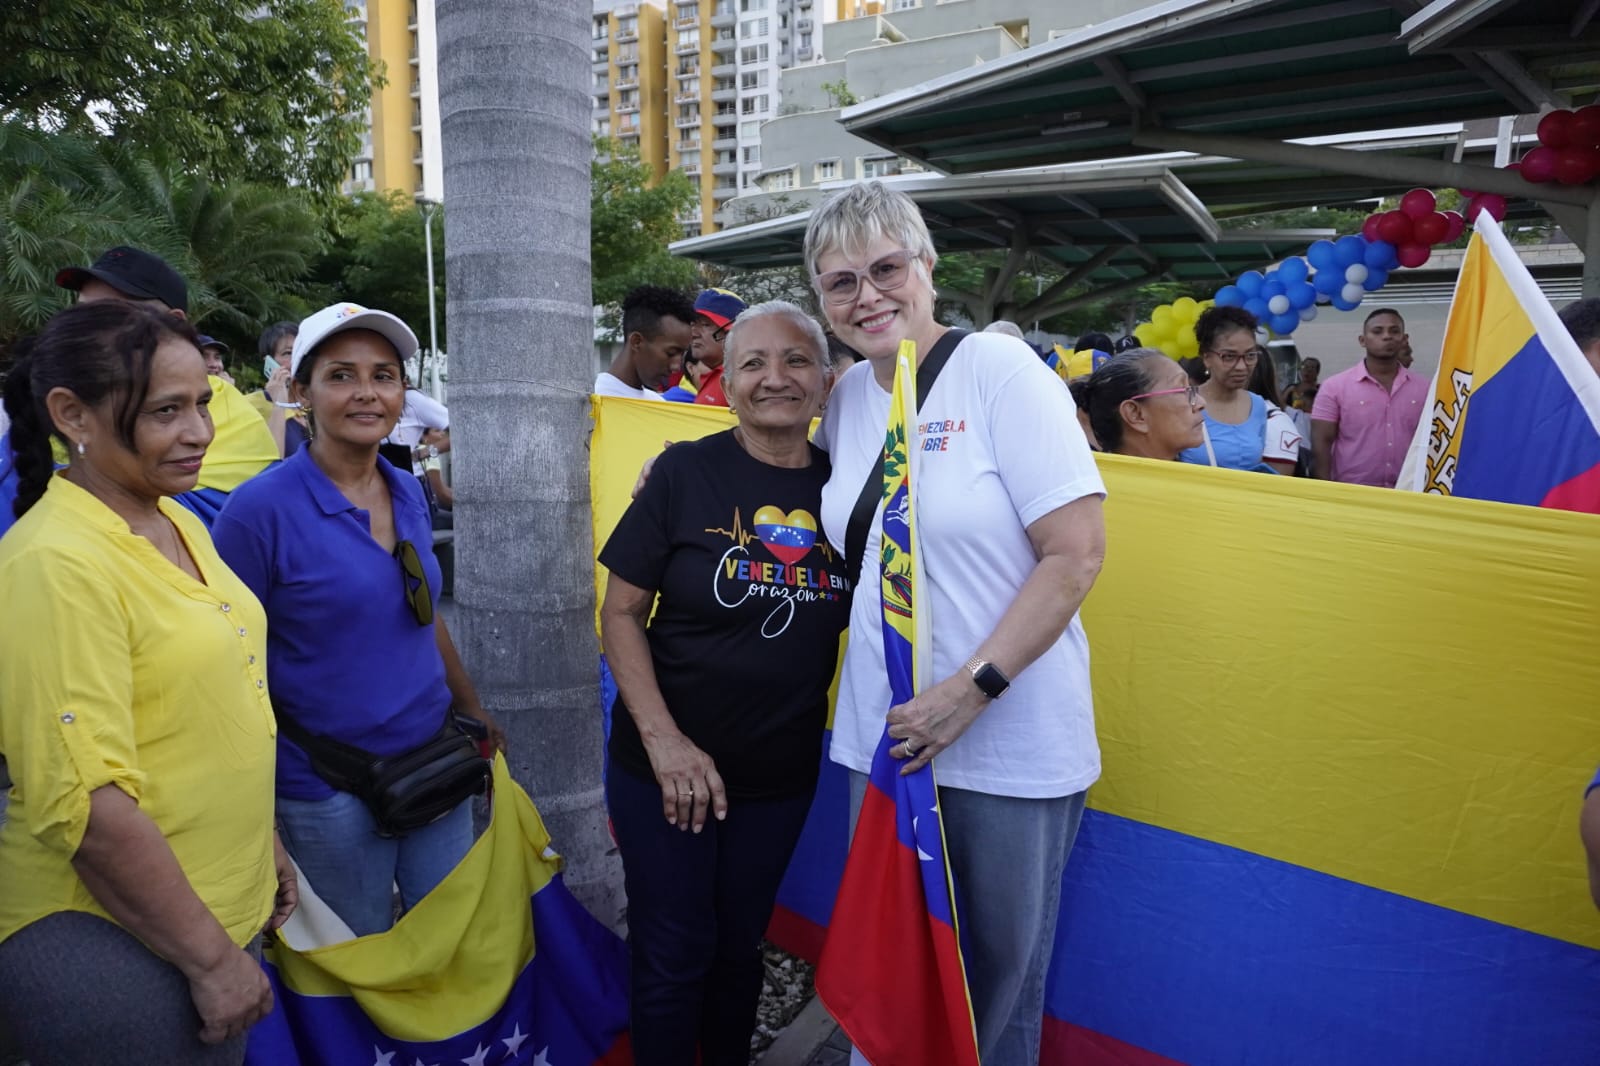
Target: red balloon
[
  {"x": 1418, "y": 202},
  {"x": 1555, "y": 129},
  {"x": 1369, "y": 228},
  {"x": 1540, "y": 165},
  {"x": 1430, "y": 229},
  {"x": 1586, "y": 126},
  {"x": 1493, "y": 205},
  {"x": 1395, "y": 227},
  {"x": 1413, "y": 255},
  {"x": 1575, "y": 166},
  {"x": 1467, "y": 194},
  {"x": 1457, "y": 224}
]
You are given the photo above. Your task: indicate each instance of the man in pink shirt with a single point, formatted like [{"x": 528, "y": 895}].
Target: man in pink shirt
[{"x": 1364, "y": 418}]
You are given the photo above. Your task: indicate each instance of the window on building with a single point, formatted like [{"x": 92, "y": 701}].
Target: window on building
[
  {"x": 753, "y": 79},
  {"x": 750, "y": 130},
  {"x": 726, "y": 158},
  {"x": 752, "y": 154},
  {"x": 753, "y": 105},
  {"x": 881, "y": 167},
  {"x": 628, "y": 27},
  {"x": 688, "y": 65},
  {"x": 778, "y": 181},
  {"x": 825, "y": 170},
  {"x": 805, "y": 40},
  {"x": 362, "y": 171},
  {"x": 628, "y": 98},
  {"x": 752, "y": 5},
  {"x": 754, "y": 28},
  {"x": 688, "y": 38},
  {"x": 753, "y": 53},
  {"x": 904, "y": 5},
  {"x": 603, "y": 127},
  {"x": 601, "y": 29},
  {"x": 629, "y": 122},
  {"x": 688, "y": 112}
]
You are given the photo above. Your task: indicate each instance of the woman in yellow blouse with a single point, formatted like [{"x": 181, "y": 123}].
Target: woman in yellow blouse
[{"x": 140, "y": 864}]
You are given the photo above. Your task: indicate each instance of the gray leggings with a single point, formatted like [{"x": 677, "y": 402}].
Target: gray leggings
[{"x": 77, "y": 990}]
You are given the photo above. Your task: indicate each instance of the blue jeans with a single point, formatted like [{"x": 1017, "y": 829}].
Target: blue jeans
[
  {"x": 354, "y": 870},
  {"x": 1006, "y": 855},
  {"x": 698, "y": 906}
]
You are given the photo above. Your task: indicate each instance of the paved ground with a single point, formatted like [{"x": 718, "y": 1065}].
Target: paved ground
[{"x": 810, "y": 1040}]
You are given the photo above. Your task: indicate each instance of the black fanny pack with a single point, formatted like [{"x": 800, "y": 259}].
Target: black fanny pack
[{"x": 404, "y": 792}]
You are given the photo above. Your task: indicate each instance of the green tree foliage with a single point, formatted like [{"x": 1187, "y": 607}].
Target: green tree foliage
[
  {"x": 375, "y": 256},
  {"x": 632, "y": 220},
  {"x": 65, "y": 198},
  {"x": 273, "y": 91},
  {"x": 839, "y": 94}
]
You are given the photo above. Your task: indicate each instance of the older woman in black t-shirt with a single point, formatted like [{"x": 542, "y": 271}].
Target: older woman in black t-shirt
[{"x": 716, "y": 735}]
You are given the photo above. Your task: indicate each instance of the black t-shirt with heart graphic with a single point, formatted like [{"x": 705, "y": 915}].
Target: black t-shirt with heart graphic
[{"x": 745, "y": 636}]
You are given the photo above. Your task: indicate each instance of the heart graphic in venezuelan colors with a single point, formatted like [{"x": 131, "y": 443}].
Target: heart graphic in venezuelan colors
[{"x": 787, "y": 536}]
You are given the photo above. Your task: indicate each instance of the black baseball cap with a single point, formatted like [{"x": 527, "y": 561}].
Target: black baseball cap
[{"x": 134, "y": 272}]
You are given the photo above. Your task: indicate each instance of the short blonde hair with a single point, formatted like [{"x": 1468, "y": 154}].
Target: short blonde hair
[{"x": 854, "y": 217}]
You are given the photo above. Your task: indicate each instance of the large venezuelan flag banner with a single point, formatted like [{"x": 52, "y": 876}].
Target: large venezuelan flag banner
[
  {"x": 892, "y": 952},
  {"x": 1346, "y": 734},
  {"x": 499, "y": 964},
  {"x": 1516, "y": 412}
]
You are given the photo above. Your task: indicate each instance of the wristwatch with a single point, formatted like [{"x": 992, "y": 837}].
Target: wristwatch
[{"x": 987, "y": 676}]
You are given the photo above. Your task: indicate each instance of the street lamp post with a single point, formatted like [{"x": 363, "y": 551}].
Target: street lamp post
[{"x": 429, "y": 207}]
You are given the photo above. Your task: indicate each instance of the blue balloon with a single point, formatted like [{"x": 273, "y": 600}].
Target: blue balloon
[
  {"x": 1285, "y": 323},
  {"x": 1379, "y": 254},
  {"x": 1303, "y": 294},
  {"x": 1328, "y": 282},
  {"x": 1345, "y": 305},
  {"x": 1292, "y": 270},
  {"x": 1257, "y": 307},
  {"x": 1249, "y": 283},
  {"x": 1322, "y": 255},
  {"x": 1377, "y": 278},
  {"x": 1350, "y": 250},
  {"x": 1271, "y": 287},
  {"x": 1229, "y": 296}
]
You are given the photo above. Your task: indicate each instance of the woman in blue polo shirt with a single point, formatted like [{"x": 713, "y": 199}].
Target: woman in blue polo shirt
[{"x": 338, "y": 546}]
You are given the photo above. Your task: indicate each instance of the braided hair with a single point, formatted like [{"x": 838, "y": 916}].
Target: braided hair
[{"x": 100, "y": 351}]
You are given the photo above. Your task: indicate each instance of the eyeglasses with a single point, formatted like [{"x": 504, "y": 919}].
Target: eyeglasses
[
  {"x": 1191, "y": 393},
  {"x": 718, "y": 333},
  {"x": 886, "y": 275},
  {"x": 1235, "y": 358},
  {"x": 419, "y": 597}
]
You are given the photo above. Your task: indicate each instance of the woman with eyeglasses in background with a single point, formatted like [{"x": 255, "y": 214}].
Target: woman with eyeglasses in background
[
  {"x": 1235, "y": 417},
  {"x": 338, "y": 546},
  {"x": 1143, "y": 403}
]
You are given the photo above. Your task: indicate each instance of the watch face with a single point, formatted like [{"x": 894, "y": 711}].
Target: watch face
[{"x": 991, "y": 681}]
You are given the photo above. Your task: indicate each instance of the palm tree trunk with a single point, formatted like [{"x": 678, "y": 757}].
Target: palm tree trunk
[{"x": 513, "y": 81}]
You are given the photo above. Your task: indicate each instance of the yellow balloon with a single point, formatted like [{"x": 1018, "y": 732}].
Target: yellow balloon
[
  {"x": 1186, "y": 338},
  {"x": 1185, "y": 309},
  {"x": 1162, "y": 318},
  {"x": 1145, "y": 334}
]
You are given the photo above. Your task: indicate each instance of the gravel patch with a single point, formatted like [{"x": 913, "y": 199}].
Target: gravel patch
[{"x": 785, "y": 990}]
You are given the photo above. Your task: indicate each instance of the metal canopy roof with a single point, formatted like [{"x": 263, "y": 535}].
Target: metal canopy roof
[
  {"x": 1267, "y": 69},
  {"x": 1543, "y": 29}
]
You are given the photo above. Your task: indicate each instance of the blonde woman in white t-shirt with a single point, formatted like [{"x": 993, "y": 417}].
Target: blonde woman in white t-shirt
[{"x": 1009, "y": 517}]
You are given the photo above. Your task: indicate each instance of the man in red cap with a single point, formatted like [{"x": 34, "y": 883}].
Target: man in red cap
[{"x": 714, "y": 312}]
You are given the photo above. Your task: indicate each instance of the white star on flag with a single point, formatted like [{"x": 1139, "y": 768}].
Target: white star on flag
[
  {"x": 380, "y": 1058},
  {"x": 924, "y": 856},
  {"x": 477, "y": 1058},
  {"x": 419, "y": 1062},
  {"x": 542, "y": 1059},
  {"x": 514, "y": 1042}
]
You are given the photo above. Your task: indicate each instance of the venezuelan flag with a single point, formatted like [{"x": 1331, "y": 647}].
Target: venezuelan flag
[
  {"x": 498, "y": 964},
  {"x": 1516, "y": 411},
  {"x": 891, "y": 970}
]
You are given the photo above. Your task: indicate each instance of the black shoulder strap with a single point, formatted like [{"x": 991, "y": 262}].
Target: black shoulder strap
[{"x": 855, "y": 536}]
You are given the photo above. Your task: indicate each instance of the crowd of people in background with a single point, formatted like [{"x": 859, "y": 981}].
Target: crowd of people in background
[{"x": 269, "y": 559}]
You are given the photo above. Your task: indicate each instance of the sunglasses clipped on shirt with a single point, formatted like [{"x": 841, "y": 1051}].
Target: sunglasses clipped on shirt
[
  {"x": 886, "y": 274},
  {"x": 419, "y": 597},
  {"x": 1190, "y": 392}
]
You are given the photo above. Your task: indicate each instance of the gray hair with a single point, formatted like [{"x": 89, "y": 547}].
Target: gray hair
[
  {"x": 853, "y": 218},
  {"x": 1010, "y": 329},
  {"x": 795, "y": 315}
]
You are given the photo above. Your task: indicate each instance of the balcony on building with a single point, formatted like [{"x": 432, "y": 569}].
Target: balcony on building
[
  {"x": 803, "y": 24},
  {"x": 630, "y": 135},
  {"x": 626, "y": 81},
  {"x": 600, "y": 59},
  {"x": 625, "y": 56},
  {"x": 687, "y": 144},
  {"x": 413, "y": 53},
  {"x": 723, "y": 170},
  {"x": 803, "y": 53},
  {"x": 416, "y": 87},
  {"x": 688, "y": 96},
  {"x": 690, "y": 169},
  {"x": 725, "y": 115},
  {"x": 723, "y": 15},
  {"x": 725, "y": 70},
  {"x": 688, "y": 122},
  {"x": 725, "y": 141},
  {"x": 624, "y": 34},
  {"x": 725, "y": 192},
  {"x": 687, "y": 22},
  {"x": 724, "y": 41},
  {"x": 628, "y": 108},
  {"x": 686, "y": 48},
  {"x": 803, "y": 4},
  {"x": 411, "y": 18},
  {"x": 724, "y": 94},
  {"x": 416, "y": 118}
]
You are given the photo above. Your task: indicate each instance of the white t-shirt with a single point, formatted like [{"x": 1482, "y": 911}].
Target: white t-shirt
[
  {"x": 420, "y": 414},
  {"x": 608, "y": 384},
  {"x": 999, "y": 447},
  {"x": 1283, "y": 436}
]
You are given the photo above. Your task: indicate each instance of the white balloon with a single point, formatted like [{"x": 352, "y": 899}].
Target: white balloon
[
  {"x": 1308, "y": 313},
  {"x": 1352, "y": 293},
  {"x": 1278, "y": 305},
  {"x": 1356, "y": 272}
]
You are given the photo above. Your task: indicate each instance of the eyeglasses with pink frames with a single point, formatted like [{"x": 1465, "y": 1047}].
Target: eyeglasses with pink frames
[{"x": 1191, "y": 392}]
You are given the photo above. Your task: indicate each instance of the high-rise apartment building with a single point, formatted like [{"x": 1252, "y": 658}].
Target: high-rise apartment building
[
  {"x": 400, "y": 149},
  {"x": 690, "y": 83}
]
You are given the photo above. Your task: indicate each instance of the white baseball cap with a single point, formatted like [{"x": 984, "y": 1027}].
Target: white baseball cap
[{"x": 336, "y": 318}]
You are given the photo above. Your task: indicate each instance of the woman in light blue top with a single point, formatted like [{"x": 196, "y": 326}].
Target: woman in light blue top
[{"x": 1236, "y": 418}]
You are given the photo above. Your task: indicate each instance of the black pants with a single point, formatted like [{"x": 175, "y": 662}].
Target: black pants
[{"x": 698, "y": 905}]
